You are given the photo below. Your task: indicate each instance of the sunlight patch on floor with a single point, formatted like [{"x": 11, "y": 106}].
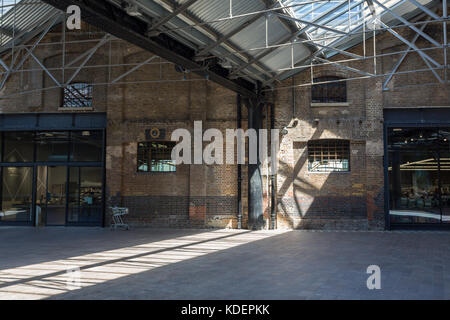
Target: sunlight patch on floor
[{"x": 43, "y": 280}]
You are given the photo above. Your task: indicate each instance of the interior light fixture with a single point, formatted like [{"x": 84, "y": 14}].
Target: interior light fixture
[{"x": 132, "y": 10}]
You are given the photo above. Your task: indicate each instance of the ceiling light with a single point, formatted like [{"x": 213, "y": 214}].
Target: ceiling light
[{"x": 132, "y": 10}]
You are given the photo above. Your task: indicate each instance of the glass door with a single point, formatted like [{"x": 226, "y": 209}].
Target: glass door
[
  {"x": 444, "y": 138},
  {"x": 414, "y": 176},
  {"x": 85, "y": 195},
  {"x": 51, "y": 184},
  {"x": 419, "y": 175},
  {"x": 16, "y": 195}
]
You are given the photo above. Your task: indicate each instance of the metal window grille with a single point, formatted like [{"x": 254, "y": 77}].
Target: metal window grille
[
  {"x": 155, "y": 157},
  {"x": 329, "y": 156},
  {"x": 329, "y": 92},
  {"x": 77, "y": 95}
]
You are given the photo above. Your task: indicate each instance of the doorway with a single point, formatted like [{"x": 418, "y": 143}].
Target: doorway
[
  {"x": 69, "y": 196},
  {"x": 51, "y": 198},
  {"x": 52, "y": 178}
]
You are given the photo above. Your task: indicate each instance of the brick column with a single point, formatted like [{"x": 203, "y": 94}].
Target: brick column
[
  {"x": 374, "y": 154},
  {"x": 198, "y": 94}
]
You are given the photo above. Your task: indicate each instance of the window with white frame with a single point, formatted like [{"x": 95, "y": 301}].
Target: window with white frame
[{"x": 329, "y": 155}]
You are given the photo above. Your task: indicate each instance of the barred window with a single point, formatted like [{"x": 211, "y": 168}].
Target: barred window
[
  {"x": 155, "y": 157},
  {"x": 329, "y": 155},
  {"x": 77, "y": 95},
  {"x": 329, "y": 92}
]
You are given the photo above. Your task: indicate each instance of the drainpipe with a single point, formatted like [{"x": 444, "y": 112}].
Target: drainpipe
[
  {"x": 255, "y": 183},
  {"x": 239, "y": 173},
  {"x": 294, "y": 98},
  {"x": 273, "y": 214}
]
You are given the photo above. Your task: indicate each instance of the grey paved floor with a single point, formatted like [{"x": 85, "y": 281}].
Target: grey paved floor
[{"x": 221, "y": 264}]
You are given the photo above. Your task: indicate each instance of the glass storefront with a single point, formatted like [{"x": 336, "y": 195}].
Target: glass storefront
[
  {"x": 52, "y": 178},
  {"x": 419, "y": 175},
  {"x": 17, "y": 193}
]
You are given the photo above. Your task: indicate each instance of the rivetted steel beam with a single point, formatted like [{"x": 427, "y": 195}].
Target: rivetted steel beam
[{"x": 117, "y": 22}]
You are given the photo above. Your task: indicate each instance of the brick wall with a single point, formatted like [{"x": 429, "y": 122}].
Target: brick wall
[
  {"x": 353, "y": 200},
  {"x": 206, "y": 196}
]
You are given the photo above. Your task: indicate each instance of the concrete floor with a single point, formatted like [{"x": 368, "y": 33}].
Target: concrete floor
[{"x": 220, "y": 264}]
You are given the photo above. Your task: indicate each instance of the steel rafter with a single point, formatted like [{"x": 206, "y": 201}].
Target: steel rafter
[{"x": 115, "y": 21}]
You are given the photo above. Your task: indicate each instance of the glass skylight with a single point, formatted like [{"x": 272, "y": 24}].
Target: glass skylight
[{"x": 329, "y": 21}]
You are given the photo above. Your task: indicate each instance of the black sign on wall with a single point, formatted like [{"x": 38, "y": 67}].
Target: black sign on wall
[{"x": 155, "y": 134}]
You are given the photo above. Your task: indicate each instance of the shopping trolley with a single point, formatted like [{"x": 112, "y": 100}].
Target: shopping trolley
[{"x": 117, "y": 218}]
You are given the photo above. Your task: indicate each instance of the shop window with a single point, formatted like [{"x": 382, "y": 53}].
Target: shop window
[
  {"x": 52, "y": 146},
  {"x": 87, "y": 146},
  {"x": 77, "y": 95},
  {"x": 18, "y": 147},
  {"x": 155, "y": 157},
  {"x": 333, "y": 90},
  {"x": 329, "y": 155}
]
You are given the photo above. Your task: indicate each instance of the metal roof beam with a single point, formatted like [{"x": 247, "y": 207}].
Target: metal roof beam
[
  {"x": 399, "y": 62},
  {"x": 115, "y": 21},
  {"x": 345, "y": 67},
  {"x": 172, "y": 15},
  {"x": 227, "y": 36},
  {"x": 291, "y": 37},
  {"x": 244, "y": 57},
  {"x": 425, "y": 9},
  {"x": 437, "y": 44}
]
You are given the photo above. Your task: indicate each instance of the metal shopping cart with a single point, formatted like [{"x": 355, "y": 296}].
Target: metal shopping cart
[{"x": 117, "y": 218}]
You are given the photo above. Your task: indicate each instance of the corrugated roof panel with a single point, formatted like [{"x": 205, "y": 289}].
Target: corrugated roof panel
[
  {"x": 282, "y": 57},
  {"x": 24, "y": 17},
  {"x": 212, "y": 10}
]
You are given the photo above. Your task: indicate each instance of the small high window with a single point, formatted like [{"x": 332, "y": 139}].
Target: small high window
[
  {"x": 329, "y": 155},
  {"x": 77, "y": 95},
  {"x": 155, "y": 157},
  {"x": 333, "y": 90}
]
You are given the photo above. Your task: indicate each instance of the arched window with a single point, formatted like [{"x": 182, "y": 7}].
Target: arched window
[
  {"x": 77, "y": 95},
  {"x": 329, "y": 155},
  {"x": 333, "y": 90}
]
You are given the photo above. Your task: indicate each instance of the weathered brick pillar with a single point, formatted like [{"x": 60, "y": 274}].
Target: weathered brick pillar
[
  {"x": 374, "y": 154},
  {"x": 115, "y": 104},
  {"x": 198, "y": 94}
]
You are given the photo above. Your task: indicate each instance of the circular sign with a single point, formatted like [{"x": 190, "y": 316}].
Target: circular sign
[{"x": 154, "y": 133}]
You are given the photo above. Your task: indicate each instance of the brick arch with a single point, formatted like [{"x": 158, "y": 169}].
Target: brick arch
[{"x": 330, "y": 72}]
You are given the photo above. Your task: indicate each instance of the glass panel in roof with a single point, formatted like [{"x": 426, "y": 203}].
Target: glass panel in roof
[
  {"x": 338, "y": 17},
  {"x": 7, "y": 5}
]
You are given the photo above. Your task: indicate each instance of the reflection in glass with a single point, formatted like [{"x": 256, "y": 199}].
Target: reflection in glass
[
  {"x": 418, "y": 175},
  {"x": 19, "y": 146},
  {"x": 41, "y": 195},
  {"x": 444, "y": 151},
  {"x": 87, "y": 146},
  {"x": 85, "y": 195},
  {"x": 52, "y": 146},
  {"x": 17, "y": 186},
  {"x": 59, "y": 198},
  {"x": 56, "y": 196}
]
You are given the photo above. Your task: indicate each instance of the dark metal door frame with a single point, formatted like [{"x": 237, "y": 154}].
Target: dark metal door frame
[
  {"x": 389, "y": 226},
  {"x": 35, "y": 164}
]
